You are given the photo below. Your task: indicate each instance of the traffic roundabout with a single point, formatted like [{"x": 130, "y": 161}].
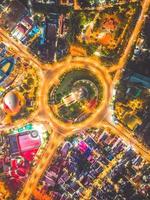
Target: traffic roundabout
[{"x": 75, "y": 94}]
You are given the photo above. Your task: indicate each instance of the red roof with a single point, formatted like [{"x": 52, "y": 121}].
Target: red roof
[{"x": 28, "y": 143}]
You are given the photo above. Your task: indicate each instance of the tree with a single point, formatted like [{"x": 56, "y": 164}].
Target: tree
[{"x": 87, "y": 3}]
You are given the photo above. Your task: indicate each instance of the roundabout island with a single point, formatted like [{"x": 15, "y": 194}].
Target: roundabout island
[{"x": 76, "y": 96}]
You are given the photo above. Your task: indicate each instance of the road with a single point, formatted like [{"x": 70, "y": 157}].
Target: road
[
  {"x": 126, "y": 54},
  {"x": 51, "y": 77},
  {"x": 21, "y": 50},
  {"x": 127, "y": 136}
]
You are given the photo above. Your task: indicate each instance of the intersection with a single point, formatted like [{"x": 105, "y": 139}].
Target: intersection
[{"x": 50, "y": 75}]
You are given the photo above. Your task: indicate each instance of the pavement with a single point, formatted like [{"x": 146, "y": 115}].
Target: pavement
[{"x": 50, "y": 75}]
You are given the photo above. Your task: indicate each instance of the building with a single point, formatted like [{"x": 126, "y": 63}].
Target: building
[
  {"x": 3, "y": 50},
  {"x": 13, "y": 14},
  {"x": 44, "y": 1},
  {"x": 12, "y": 103},
  {"x": 140, "y": 79},
  {"x": 66, "y": 2},
  {"x": 7, "y": 71},
  {"x": 22, "y": 29},
  {"x": 62, "y": 27},
  {"x": 132, "y": 121},
  {"x": 24, "y": 144}
]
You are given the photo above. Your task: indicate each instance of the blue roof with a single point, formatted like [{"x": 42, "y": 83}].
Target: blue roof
[
  {"x": 3, "y": 74},
  {"x": 143, "y": 80}
]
